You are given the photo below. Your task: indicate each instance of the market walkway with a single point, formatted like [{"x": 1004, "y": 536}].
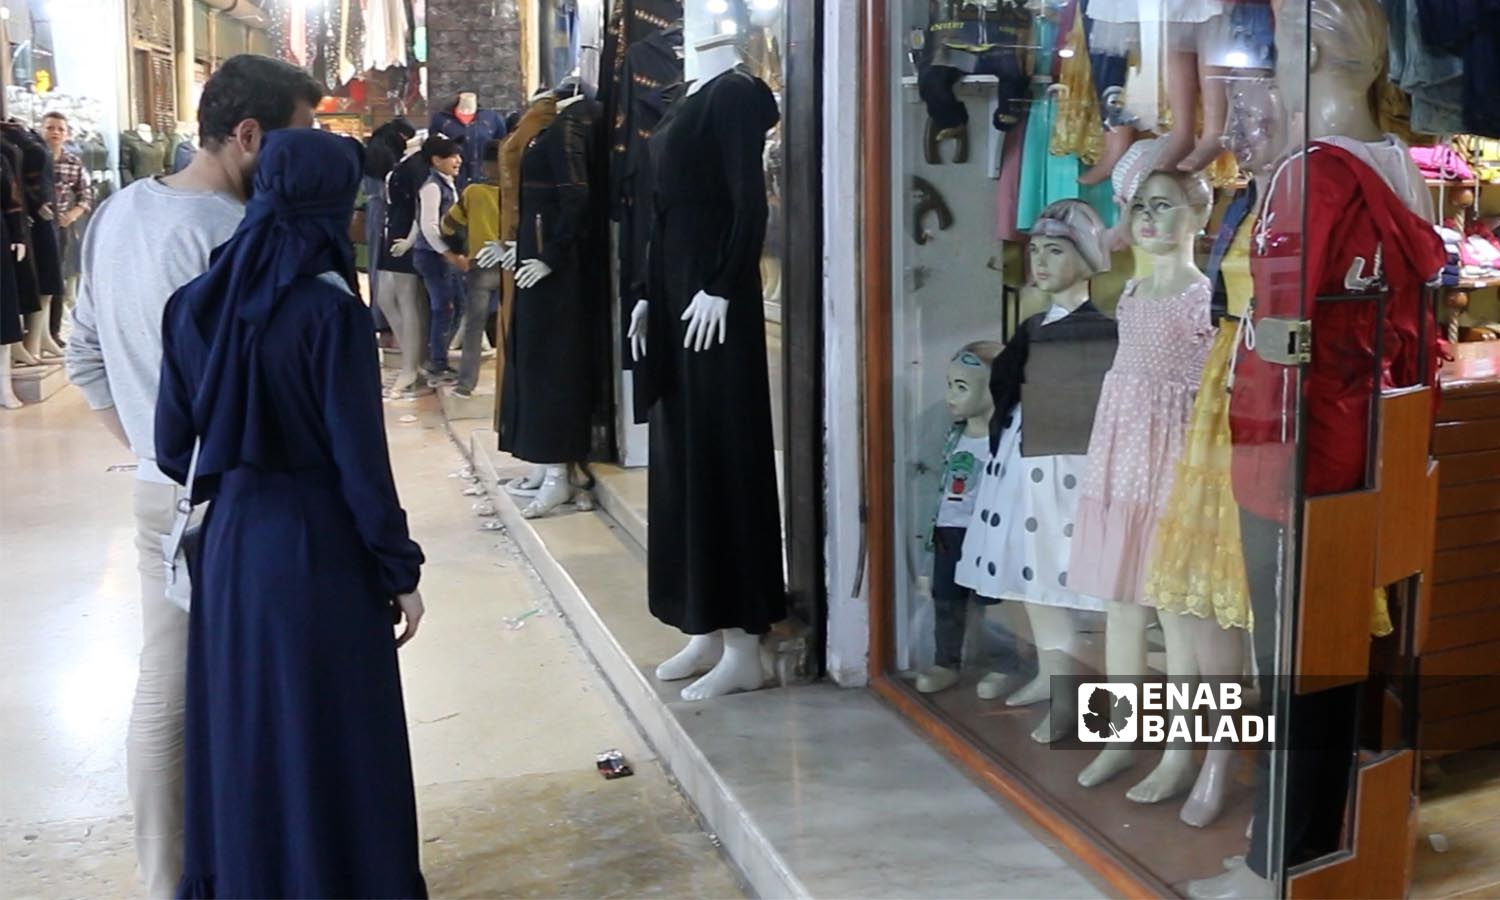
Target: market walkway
[{"x": 505, "y": 721}]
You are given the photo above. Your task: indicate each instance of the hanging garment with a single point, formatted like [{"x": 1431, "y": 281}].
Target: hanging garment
[
  {"x": 486, "y": 125},
  {"x": 298, "y": 780},
  {"x": 386, "y": 34},
  {"x": 537, "y": 118},
  {"x": 1076, "y": 128},
  {"x": 652, "y": 82},
  {"x": 1139, "y": 433},
  {"x": 28, "y": 297},
  {"x": 1466, "y": 29},
  {"x": 12, "y": 231},
  {"x": 1018, "y": 544},
  {"x": 1360, "y": 236},
  {"x": 715, "y": 559},
  {"x": 1045, "y": 178},
  {"x": 550, "y": 353},
  {"x": 140, "y": 159},
  {"x": 40, "y": 192}
]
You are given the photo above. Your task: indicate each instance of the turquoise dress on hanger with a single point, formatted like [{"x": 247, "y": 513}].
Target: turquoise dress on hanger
[{"x": 1045, "y": 178}]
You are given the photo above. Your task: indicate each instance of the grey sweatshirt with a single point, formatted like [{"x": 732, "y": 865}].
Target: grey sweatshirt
[{"x": 143, "y": 243}]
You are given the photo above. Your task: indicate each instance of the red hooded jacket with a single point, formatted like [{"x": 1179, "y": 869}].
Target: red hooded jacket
[{"x": 1357, "y": 237}]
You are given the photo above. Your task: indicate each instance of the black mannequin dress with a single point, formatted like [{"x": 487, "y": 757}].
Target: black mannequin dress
[{"x": 715, "y": 556}]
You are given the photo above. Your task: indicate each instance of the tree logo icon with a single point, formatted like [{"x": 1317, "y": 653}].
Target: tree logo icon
[{"x": 1107, "y": 712}]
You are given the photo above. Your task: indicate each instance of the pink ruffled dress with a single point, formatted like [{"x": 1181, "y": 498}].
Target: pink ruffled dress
[{"x": 1139, "y": 431}]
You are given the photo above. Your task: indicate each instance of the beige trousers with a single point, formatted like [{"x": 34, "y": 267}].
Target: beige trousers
[{"x": 154, "y": 746}]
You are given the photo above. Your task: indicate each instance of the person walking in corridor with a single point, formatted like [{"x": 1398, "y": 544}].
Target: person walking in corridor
[
  {"x": 142, "y": 244},
  {"x": 299, "y": 778}
]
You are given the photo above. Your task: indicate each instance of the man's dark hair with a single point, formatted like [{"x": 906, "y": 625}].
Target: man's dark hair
[
  {"x": 252, "y": 87},
  {"x": 439, "y": 146},
  {"x": 57, "y": 115}
]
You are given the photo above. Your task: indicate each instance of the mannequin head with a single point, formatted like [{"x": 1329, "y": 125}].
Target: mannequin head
[
  {"x": 969, "y": 397},
  {"x": 1257, "y": 129},
  {"x": 1066, "y": 246},
  {"x": 1346, "y": 51},
  {"x": 442, "y": 154},
  {"x": 467, "y": 103},
  {"x": 1167, "y": 210}
]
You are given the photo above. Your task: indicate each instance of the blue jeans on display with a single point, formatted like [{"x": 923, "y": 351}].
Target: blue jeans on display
[{"x": 445, "y": 296}]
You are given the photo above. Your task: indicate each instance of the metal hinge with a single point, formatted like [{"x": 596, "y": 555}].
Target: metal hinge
[{"x": 1286, "y": 342}]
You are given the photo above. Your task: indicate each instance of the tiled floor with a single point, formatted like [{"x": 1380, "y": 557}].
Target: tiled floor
[{"x": 504, "y": 722}]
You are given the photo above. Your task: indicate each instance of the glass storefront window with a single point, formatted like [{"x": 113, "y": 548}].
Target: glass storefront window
[{"x": 1144, "y": 305}]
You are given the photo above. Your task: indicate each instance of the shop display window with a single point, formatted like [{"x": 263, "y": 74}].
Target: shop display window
[{"x": 1163, "y": 282}]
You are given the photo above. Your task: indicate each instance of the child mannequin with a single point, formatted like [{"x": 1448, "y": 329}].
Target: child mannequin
[
  {"x": 1017, "y": 547},
  {"x": 970, "y": 405}
]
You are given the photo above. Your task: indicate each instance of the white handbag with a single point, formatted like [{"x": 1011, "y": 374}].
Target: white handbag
[{"x": 181, "y": 543}]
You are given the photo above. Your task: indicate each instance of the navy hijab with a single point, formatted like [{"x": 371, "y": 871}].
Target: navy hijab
[{"x": 296, "y": 227}]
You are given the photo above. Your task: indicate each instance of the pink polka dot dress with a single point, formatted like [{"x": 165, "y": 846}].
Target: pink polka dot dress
[{"x": 1138, "y": 435}]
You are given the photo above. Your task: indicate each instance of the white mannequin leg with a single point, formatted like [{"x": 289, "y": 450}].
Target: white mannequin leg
[
  {"x": 1052, "y": 629},
  {"x": 700, "y": 655},
  {"x": 556, "y": 490},
  {"x": 36, "y": 326},
  {"x": 1221, "y": 657},
  {"x": 528, "y": 485},
  {"x": 46, "y": 346},
  {"x": 1175, "y": 773},
  {"x": 1237, "y": 883},
  {"x": 21, "y": 356},
  {"x": 8, "y": 398},
  {"x": 1124, "y": 660},
  {"x": 402, "y": 299},
  {"x": 738, "y": 670}
]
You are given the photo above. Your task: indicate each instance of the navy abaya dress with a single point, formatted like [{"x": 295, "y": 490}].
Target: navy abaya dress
[{"x": 299, "y": 778}]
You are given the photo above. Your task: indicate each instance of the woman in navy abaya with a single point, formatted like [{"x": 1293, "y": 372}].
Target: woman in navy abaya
[{"x": 299, "y": 776}]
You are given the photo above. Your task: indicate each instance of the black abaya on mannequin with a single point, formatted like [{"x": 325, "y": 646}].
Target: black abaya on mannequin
[{"x": 715, "y": 556}]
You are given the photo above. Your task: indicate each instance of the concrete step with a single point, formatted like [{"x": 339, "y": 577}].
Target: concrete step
[{"x": 813, "y": 791}]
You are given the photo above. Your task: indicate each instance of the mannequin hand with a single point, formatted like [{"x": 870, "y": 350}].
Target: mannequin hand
[
  {"x": 46, "y": 213},
  {"x": 531, "y": 272},
  {"x": 508, "y": 256},
  {"x": 411, "y": 609},
  {"x": 489, "y": 255},
  {"x": 637, "y": 332},
  {"x": 706, "y": 317},
  {"x": 20, "y": 251},
  {"x": 400, "y": 247}
]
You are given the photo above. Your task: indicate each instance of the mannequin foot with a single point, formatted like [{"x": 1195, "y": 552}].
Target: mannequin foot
[
  {"x": 9, "y": 400},
  {"x": 992, "y": 686},
  {"x": 738, "y": 671},
  {"x": 1111, "y": 761},
  {"x": 21, "y": 356},
  {"x": 528, "y": 485},
  {"x": 1036, "y": 690},
  {"x": 1057, "y": 724},
  {"x": 1204, "y": 153},
  {"x": 936, "y": 678},
  {"x": 1173, "y": 775},
  {"x": 1238, "y": 883},
  {"x": 554, "y": 492},
  {"x": 1116, "y": 142},
  {"x": 699, "y": 656},
  {"x": 1207, "y": 799},
  {"x": 1179, "y": 142},
  {"x": 51, "y": 347}
]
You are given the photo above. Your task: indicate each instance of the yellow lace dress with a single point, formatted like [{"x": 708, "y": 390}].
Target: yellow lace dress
[{"x": 1197, "y": 564}]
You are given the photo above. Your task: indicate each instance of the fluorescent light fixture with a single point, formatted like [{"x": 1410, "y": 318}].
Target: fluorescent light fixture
[
  {"x": 717, "y": 7},
  {"x": 729, "y": 26}
]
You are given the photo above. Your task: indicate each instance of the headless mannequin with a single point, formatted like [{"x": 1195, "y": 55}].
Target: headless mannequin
[
  {"x": 402, "y": 299},
  {"x": 467, "y": 106},
  {"x": 731, "y": 656},
  {"x": 145, "y": 131},
  {"x": 555, "y": 485},
  {"x": 1343, "y": 61},
  {"x": 1163, "y": 221}
]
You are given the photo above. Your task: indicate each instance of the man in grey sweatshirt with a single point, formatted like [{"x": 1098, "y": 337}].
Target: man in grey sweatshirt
[{"x": 143, "y": 244}]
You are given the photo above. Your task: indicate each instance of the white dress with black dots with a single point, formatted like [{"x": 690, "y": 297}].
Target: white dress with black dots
[{"x": 1017, "y": 545}]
